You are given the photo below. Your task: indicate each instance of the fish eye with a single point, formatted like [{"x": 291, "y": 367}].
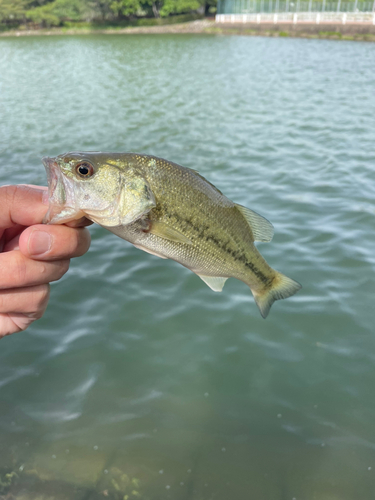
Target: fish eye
[{"x": 84, "y": 169}]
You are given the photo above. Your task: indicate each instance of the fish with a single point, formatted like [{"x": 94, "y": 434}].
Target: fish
[{"x": 169, "y": 211}]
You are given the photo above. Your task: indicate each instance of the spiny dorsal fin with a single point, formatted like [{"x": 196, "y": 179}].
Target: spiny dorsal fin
[
  {"x": 208, "y": 182},
  {"x": 216, "y": 284},
  {"x": 169, "y": 233},
  {"x": 261, "y": 228}
]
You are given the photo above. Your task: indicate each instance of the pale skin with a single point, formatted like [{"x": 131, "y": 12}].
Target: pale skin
[{"x": 32, "y": 255}]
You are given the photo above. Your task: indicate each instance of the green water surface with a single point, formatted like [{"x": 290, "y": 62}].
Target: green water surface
[{"x": 142, "y": 383}]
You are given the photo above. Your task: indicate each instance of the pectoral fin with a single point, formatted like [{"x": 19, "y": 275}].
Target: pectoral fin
[
  {"x": 261, "y": 228},
  {"x": 167, "y": 232},
  {"x": 216, "y": 284}
]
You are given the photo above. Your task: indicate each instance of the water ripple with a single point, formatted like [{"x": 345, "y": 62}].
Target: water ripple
[{"x": 136, "y": 355}]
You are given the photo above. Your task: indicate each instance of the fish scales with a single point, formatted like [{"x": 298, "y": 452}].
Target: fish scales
[
  {"x": 170, "y": 211},
  {"x": 216, "y": 245}
]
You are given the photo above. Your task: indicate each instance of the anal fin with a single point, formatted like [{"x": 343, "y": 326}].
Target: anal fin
[{"x": 215, "y": 283}]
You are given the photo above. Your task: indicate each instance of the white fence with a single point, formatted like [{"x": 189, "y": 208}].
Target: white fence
[
  {"x": 296, "y": 6},
  {"x": 300, "y": 17}
]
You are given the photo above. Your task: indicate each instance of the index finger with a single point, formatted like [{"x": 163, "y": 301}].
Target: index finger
[{"x": 22, "y": 205}]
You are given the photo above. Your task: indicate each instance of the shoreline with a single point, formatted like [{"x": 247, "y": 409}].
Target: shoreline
[{"x": 329, "y": 31}]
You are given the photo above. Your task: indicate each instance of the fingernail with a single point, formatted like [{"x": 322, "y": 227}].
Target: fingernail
[{"x": 40, "y": 243}]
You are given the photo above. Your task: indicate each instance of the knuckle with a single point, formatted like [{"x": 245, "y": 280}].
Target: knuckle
[
  {"x": 75, "y": 241},
  {"x": 62, "y": 267},
  {"x": 13, "y": 194},
  {"x": 65, "y": 265},
  {"x": 87, "y": 238},
  {"x": 8, "y": 194},
  {"x": 42, "y": 296},
  {"x": 38, "y": 313},
  {"x": 20, "y": 270},
  {"x": 2, "y": 302},
  {"x": 83, "y": 241}
]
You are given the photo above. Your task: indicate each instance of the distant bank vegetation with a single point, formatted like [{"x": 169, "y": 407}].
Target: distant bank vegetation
[{"x": 48, "y": 13}]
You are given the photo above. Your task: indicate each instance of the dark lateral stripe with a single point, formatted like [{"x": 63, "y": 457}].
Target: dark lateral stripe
[{"x": 202, "y": 233}]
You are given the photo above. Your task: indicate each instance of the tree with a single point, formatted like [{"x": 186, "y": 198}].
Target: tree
[
  {"x": 155, "y": 5},
  {"x": 12, "y": 11},
  {"x": 125, "y": 8},
  {"x": 55, "y": 13},
  {"x": 179, "y": 7}
]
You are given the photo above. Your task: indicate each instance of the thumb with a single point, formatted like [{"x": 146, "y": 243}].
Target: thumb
[{"x": 21, "y": 204}]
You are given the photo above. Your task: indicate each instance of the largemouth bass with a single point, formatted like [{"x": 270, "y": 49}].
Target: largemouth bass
[{"x": 169, "y": 211}]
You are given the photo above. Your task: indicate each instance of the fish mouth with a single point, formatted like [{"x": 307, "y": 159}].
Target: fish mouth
[
  {"x": 53, "y": 173},
  {"x": 56, "y": 188}
]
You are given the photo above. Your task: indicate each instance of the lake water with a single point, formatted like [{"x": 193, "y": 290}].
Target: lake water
[{"x": 142, "y": 383}]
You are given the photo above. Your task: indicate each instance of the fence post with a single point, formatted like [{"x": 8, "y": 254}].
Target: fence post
[
  {"x": 258, "y": 18},
  {"x": 294, "y": 18},
  {"x": 318, "y": 18},
  {"x": 344, "y": 18},
  {"x": 275, "y": 18}
]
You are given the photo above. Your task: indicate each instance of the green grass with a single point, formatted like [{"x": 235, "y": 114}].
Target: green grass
[
  {"x": 330, "y": 33},
  {"x": 136, "y": 22},
  {"x": 106, "y": 25}
]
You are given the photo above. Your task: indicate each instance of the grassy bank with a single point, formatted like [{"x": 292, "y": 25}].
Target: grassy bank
[
  {"x": 185, "y": 25},
  {"x": 94, "y": 26}
]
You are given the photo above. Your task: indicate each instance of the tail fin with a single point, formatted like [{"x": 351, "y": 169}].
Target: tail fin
[{"x": 282, "y": 288}]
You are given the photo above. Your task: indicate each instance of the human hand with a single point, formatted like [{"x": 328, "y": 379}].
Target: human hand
[{"x": 32, "y": 255}]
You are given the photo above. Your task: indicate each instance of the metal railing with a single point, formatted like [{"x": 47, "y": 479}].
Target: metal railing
[
  {"x": 299, "y": 17},
  {"x": 292, "y": 6}
]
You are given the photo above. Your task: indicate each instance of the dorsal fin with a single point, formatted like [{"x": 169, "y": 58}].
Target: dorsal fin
[
  {"x": 261, "y": 228},
  {"x": 203, "y": 178}
]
